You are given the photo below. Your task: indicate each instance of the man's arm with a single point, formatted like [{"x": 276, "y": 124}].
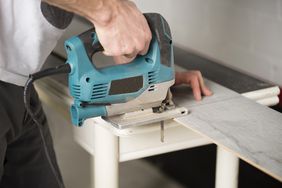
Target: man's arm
[
  {"x": 124, "y": 32},
  {"x": 122, "y": 29}
]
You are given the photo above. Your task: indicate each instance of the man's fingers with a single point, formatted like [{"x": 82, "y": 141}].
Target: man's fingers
[
  {"x": 145, "y": 49},
  {"x": 147, "y": 44},
  {"x": 129, "y": 36},
  {"x": 118, "y": 59},
  {"x": 194, "y": 81},
  {"x": 122, "y": 59},
  {"x": 200, "y": 77},
  {"x": 106, "y": 53},
  {"x": 205, "y": 90}
]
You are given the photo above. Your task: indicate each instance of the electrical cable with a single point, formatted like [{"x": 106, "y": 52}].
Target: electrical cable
[{"x": 61, "y": 69}]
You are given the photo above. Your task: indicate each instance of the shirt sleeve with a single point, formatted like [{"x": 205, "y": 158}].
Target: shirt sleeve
[{"x": 59, "y": 18}]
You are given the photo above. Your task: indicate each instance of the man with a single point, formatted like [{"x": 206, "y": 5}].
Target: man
[{"x": 29, "y": 31}]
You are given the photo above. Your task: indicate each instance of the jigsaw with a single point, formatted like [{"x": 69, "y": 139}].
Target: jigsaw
[{"x": 126, "y": 95}]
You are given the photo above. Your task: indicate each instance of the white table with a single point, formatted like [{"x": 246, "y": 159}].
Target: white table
[{"x": 109, "y": 145}]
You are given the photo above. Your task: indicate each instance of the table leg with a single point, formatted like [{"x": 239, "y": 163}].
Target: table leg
[
  {"x": 106, "y": 158},
  {"x": 227, "y": 168}
]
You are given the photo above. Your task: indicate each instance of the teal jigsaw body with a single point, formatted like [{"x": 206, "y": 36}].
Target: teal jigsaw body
[{"x": 94, "y": 88}]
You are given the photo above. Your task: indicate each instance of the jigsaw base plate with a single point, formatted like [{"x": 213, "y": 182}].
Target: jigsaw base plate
[{"x": 143, "y": 117}]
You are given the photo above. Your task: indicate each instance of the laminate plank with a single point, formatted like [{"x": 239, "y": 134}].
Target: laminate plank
[{"x": 251, "y": 131}]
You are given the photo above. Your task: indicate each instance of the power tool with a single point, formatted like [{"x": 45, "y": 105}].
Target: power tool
[{"x": 126, "y": 95}]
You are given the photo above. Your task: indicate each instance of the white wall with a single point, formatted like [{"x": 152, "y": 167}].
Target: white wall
[{"x": 245, "y": 34}]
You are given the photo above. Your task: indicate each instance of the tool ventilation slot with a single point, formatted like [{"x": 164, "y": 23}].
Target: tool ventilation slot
[
  {"x": 152, "y": 77},
  {"x": 99, "y": 91},
  {"x": 76, "y": 91},
  {"x": 152, "y": 88}
]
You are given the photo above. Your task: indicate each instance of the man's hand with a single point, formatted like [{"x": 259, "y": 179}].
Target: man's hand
[
  {"x": 126, "y": 35},
  {"x": 195, "y": 80},
  {"x": 121, "y": 28}
]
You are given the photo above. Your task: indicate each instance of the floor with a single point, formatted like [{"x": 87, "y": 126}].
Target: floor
[{"x": 75, "y": 162}]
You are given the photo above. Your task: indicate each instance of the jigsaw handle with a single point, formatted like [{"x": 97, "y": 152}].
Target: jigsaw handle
[
  {"x": 161, "y": 32},
  {"x": 159, "y": 28}
]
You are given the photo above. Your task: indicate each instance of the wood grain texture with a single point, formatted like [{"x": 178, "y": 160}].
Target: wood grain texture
[{"x": 252, "y": 131}]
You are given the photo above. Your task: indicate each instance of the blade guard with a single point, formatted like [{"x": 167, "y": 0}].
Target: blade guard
[{"x": 93, "y": 88}]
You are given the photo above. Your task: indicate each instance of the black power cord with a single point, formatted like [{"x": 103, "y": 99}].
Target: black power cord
[{"x": 61, "y": 69}]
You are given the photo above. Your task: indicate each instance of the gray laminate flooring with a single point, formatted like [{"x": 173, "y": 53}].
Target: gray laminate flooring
[{"x": 250, "y": 130}]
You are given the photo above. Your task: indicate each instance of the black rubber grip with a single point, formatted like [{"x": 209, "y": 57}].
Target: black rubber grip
[
  {"x": 160, "y": 29},
  {"x": 91, "y": 43}
]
